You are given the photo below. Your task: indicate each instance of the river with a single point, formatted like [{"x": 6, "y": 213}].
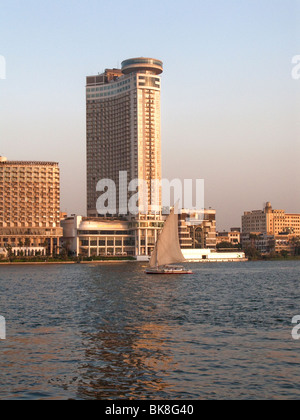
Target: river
[{"x": 109, "y": 331}]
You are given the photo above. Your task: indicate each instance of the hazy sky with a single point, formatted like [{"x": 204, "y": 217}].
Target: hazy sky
[{"x": 230, "y": 107}]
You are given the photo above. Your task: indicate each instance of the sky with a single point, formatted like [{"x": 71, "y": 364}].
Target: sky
[{"x": 230, "y": 106}]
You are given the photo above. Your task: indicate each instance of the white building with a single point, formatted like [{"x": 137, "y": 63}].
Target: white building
[
  {"x": 207, "y": 255},
  {"x": 110, "y": 237}
]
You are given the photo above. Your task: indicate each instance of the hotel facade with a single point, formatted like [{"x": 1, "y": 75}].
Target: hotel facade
[
  {"x": 29, "y": 207},
  {"x": 123, "y": 124},
  {"x": 123, "y": 117}
]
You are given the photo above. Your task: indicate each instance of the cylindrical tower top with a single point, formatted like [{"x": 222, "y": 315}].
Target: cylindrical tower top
[
  {"x": 268, "y": 208},
  {"x": 141, "y": 64},
  {"x": 3, "y": 159}
]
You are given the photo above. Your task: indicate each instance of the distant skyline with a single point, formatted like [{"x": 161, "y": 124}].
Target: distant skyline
[{"x": 230, "y": 106}]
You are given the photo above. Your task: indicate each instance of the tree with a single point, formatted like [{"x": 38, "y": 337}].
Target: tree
[
  {"x": 296, "y": 243},
  {"x": 228, "y": 245},
  {"x": 284, "y": 253},
  {"x": 45, "y": 244},
  {"x": 8, "y": 248},
  {"x": 251, "y": 252}
]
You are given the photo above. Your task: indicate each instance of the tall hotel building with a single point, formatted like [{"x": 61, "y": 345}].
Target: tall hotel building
[
  {"x": 29, "y": 207},
  {"x": 124, "y": 127},
  {"x": 123, "y": 118}
]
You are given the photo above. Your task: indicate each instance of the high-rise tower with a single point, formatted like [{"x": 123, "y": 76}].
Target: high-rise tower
[{"x": 124, "y": 127}]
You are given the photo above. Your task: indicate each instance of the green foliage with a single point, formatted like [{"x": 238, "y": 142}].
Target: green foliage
[
  {"x": 228, "y": 246},
  {"x": 252, "y": 253},
  {"x": 61, "y": 259},
  {"x": 284, "y": 253}
]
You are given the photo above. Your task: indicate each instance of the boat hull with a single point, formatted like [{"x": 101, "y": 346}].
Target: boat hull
[{"x": 167, "y": 271}]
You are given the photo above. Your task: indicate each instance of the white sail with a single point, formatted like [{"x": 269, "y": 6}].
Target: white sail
[{"x": 167, "y": 249}]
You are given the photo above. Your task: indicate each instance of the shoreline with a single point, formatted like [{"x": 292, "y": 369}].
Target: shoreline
[
  {"x": 63, "y": 262},
  {"x": 6, "y": 263}
]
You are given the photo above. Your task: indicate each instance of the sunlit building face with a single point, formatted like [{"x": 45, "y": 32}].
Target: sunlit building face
[{"x": 124, "y": 128}]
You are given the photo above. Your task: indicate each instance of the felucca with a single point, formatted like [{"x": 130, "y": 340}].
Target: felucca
[{"x": 167, "y": 250}]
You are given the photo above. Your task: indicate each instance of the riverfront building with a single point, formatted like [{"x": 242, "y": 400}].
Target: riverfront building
[
  {"x": 123, "y": 118},
  {"x": 29, "y": 207},
  {"x": 197, "y": 229},
  {"x": 271, "y": 230},
  {"x": 270, "y": 221},
  {"x": 94, "y": 237},
  {"x": 233, "y": 237}
]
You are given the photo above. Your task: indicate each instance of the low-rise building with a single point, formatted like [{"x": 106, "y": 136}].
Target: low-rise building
[
  {"x": 208, "y": 255},
  {"x": 197, "y": 229},
  {"x": 268, "y": 244},
  {"x": 285, "y": 243},
  {"x": 86, "y": 236},
  {"x": 233, "y": 237},
  {"x": 90, "y": 237}
]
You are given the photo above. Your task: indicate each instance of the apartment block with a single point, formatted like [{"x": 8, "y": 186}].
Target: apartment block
[
  {"x": 197, "y": 229},
  {"x": 29, "y": 206},
  {"x": 233, "y": 236},
  {"x": 268, "y": 244},
  {"x": 270, "y": 221}
]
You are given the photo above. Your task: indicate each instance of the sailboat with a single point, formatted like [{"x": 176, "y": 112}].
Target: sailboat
[{"x": 167, "y": 251}]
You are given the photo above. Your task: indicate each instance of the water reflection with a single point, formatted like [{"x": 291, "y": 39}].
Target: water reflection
[
  {"x": 128, "y": 364},
  {"x": 108, "y": 332}
]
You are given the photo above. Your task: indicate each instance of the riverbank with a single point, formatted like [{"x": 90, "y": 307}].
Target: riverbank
[
  {"x": 63, "y": 262},
  {"x": 279, "y": 258},
  {"x": 52, "y": 261}
]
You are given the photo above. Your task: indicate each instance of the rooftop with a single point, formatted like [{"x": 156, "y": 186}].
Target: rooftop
[
  {"x": 4, "y": 161},
  {"x": 141, "y": 64}
]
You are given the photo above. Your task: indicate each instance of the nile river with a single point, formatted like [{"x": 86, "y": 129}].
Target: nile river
[{"x": 111, "y": 332}]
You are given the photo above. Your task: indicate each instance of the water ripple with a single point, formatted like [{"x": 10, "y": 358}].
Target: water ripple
[{"x": 111, "y": 332}]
